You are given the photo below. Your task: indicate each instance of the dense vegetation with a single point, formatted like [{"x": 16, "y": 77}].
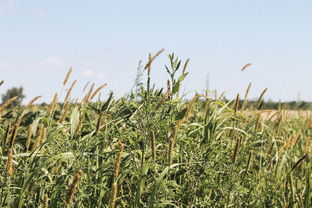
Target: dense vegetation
[{"x": 152, "y": 149}]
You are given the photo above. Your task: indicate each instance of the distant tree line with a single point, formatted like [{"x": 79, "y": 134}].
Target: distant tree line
[
  {"x": 271, "y": 105},
  {"x": 291, "y": 105}
]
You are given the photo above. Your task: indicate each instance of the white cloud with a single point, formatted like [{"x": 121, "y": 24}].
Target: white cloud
[
  {"x": 9, "y": 6},
  {"x": 54, "y": 62},
  {"x": 92, "y": 73},
  {"x": 101, "y": 75},
  {"x": 88, "y": 73},
  {"x": 49, "y": 63}
]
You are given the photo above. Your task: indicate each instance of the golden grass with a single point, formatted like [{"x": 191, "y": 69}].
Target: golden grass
[
  {"x": 67, "y": 76},
  {"x": 273, "y": 114},
  {"x": 73, "y": 187}
]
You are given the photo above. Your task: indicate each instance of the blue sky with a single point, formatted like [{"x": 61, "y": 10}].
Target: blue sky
[{"x": 104, "y": 40}]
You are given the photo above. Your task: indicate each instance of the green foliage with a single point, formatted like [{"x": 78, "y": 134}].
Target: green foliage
[{"x": 203, "y": 172}]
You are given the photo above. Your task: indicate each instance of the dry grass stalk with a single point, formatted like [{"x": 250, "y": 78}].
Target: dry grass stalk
[
  {"x": 9, "y": 163},
  {"x": 236, "y": 150},
  {"x": 273, "y": 116},
  {"x": 232, "y": 132},
  {"x": 257, "y": 121},
  {"x": 53, "y": 104},
  {"x": 149, "y": 66},
  {"x": 32, "y": 101},
  {"x": 73, "y": 187},
  {"x": 15, "y": 131},
  {"x": 260, "y": 98},
  {"x": 6, "y": 136},
  {"x": 298, "y": 162},
  {"x": 289, "y": 143},
  {"x": 153, "y": 144},
  {"x": 118, "y": 161},
  {"x": 245, "y": 67},
  {"x": 44, "y": 134},
  {"x": 246, "y": 97},
  {"x": 8, "y": 102},
  {"x": 46, "y": 201},
  {"x": 279, "y": 121},
  {"x": 39, "y": 138},
  {"x": 88, "y": 95},
  {"x": 298, "y": 136},
  {"x": 80, "y": 123},
  {"x": 67, "y": 76},
  {"x": 97, "y": 91},
  {"x": 85, "y": 87},
  {"x": 113, "y": 197},
  {"x": 65, "y": 111},
  {"x": 149, "y": 72},
  {"x": 171, "y": 148},
  {"x": 236, "y": 104},
  {"x": 248, "y": 164},
  {"x": 190, "y": 108},
  {"x": 69, "y": 91},
  {"x": 168, "y": 88},
  {"x": 29, "y": 134},
  {"x": 271, "y": 148},
  {"x": 151, "y": 59}
]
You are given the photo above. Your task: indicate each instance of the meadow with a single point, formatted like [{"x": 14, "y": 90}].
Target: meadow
[{"x": 153, "y": 148}]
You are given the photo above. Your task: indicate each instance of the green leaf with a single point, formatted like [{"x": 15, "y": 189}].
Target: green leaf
[
  {"x": 178, "y": 65},
  {"x": 108, "y": 102},
  {"x": 176, "y": 87},
  {"x": 74, "y": 120},
  {"x": 182, "y": 77},
  {"x": 35, "y": 125},
  {"x": 158, "y": 182},
  {"x": 181, "y": 114}
]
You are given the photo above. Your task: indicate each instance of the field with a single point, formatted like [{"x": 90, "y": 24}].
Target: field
[
  {"x": 287, "y": 114},
  {"x": 152, "y": 148}
]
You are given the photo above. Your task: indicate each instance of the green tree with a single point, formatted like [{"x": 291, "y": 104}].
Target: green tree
[{"x": 12, "y": 92}]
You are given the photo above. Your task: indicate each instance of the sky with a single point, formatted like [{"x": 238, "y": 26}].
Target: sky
[{"x": 103, "y": 41}]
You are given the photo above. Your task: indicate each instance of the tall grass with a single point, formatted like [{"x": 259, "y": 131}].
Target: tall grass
[{"x": 153, "y": 149}]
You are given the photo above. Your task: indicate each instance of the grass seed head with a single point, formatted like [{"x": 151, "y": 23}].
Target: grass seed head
[
  {"x": 6, "y": 136},
  {"x": 32, "y": 101},
  {"x": 118, "y": 161},
  {"x": 97, "y": 91},
  {"x": 29, "y": 135},
  {"x": 261, "y": 97},
  {"x": 53, "y": 103},
  {"x": 69, "y": 91},
  {"x": 152, "y": 58},
  {"x": 88, "y": 95},
  {"x": 245, "y": 67},
  {"x": 9, "y": 163},
  {"x": 39, "y": 137},
  {"x": 73, "y": 187},
  {"x": 8, "y": 102},
  {"x": 113, "y": 197},
  {"x": 67, "y": 76}
]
